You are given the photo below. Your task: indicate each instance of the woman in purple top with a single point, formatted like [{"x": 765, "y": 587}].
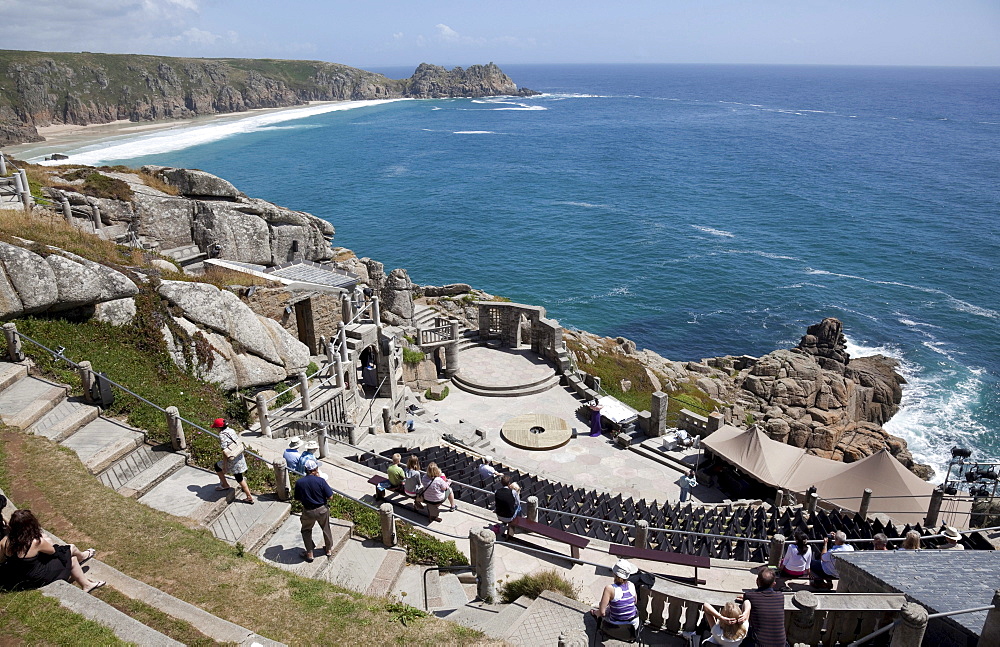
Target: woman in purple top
[{"x": 618, "y": 602}]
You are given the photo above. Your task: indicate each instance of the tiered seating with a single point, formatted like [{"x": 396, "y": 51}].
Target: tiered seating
[{"x": 756, "y": 523}]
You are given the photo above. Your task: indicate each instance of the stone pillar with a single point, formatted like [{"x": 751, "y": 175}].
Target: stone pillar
[
  {"x": 96, "y": 215},
  {"x": 776, "y": 550},
  {"x": 3, "y": 165},
  {"x": 866, "y": 501},
  {"x": 338, "y": 366},
  {"x": 658, "y": 414},
  {"x": 322, "y": 439},
  {"x": 14, "y": 350},
  {"x": 354, "y": 433},
  {"x": 281, "y": 484},
  {"x": 451, "y": 351},
  {"x": 779, "y": 498},
  {"x": 175, "y": 428},
  {"x": 304, "y": 391},
  {"x": 991, "y": 630},
  {"x": 67, "y": 210},
  {"x": 87, "y": 382},
  {"x": 912, "y": 625},
  {"x": 386, "y": 420},
  {"x": 388, "y": 521},
  {"x": 376, "y": 313},
  {"x": 265, "y": 425},
  {"x": 801, "y": 629},
  {"x": 641, "y": 533},
  {"x": 715, "y": 421},
  {"x": 342, "y": 341},
  {"x": 473, "y": 559},
  {"x": 346, "y": 307},
  {"x": 329, "y": 347},
  {"x": 813, "y": 501},
  {"x": 934, "y": 508},
  {"x": 25, "y": 190},
  {"x": 531, "y": 508},
  {"x": 485, "y": 570}
]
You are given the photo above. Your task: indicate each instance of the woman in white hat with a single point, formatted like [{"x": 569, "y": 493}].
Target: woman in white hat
[{"x": 618, "y": 602}]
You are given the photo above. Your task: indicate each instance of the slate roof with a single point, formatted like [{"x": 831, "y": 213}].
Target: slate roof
[
  {"x": 309, "y": 272},
  {"x": 939, "y": 580}
]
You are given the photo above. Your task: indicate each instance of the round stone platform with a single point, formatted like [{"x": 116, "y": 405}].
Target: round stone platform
[
  {"x": 503, "y": 372},
  {"x": 536, "y": 431}
]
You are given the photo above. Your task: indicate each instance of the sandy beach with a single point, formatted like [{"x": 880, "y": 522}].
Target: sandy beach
[{"x": 69, "y": 138}]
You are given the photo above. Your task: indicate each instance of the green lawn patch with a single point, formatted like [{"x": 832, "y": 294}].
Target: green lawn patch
[{"x": 30, "y": 618}]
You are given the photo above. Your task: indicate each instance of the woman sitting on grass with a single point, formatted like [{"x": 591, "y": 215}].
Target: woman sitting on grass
[{"x": 32, "y": 560}]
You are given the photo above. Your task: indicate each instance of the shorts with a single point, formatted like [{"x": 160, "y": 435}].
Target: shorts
[{"x": 236, "y": 475}]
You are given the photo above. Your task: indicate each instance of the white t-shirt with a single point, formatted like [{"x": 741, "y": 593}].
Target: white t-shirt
[
  {"x": 795, "y": 562},
  {"x": 719, "y": 639}
]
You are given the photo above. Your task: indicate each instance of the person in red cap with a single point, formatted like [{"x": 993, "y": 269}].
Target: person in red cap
[{"x": 237, "y": 465}]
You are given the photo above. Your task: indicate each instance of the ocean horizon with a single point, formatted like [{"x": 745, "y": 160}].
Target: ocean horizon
[{"x": 699, "y": 210}]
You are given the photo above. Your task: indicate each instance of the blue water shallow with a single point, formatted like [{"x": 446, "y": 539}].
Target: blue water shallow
[{"x": 698, "y": 210}]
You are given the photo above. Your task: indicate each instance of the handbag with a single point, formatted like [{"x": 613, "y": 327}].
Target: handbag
[{"x": 234, "y": 448}]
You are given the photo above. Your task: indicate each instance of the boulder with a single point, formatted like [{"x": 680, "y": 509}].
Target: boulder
[
  {"x": 166, "y": 219},
  {"x": 397, "y": 296},
  {"x": 294, "y": 354},
  {"x": 241, "y": 237},
  {"x": 119, "y": 312},
  {"x": 450, "y": 290},
  {"x": 193, "y": 183},
  {"x": 31, "y": 277},
  {"x": 10, "y": 302}
]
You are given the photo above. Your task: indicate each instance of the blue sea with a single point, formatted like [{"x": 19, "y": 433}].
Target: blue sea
[{"x": 697, "y": 210}]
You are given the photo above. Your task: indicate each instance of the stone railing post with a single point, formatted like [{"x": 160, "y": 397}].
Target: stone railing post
[
  {"x": 281, "y": 484},
  {"x": 531, "y": 508},
  {"x": 813, "y": 501},
  {"x": 801, "y": 629},
  {"x": 912, "y": 625},
  {"x": 342, "y": 341},
  {"x": 304, "y": 391},
  {"x": 265, "y": 425},
  {"x": 485, "y": 569},
  {"x": 87, "y": 381},
  {"x": 388, "y": 520},
  {"x": 354, "y": 433},
  {"x": 346, "y": 308},
  {"x": 175, "y": 429},
  {"x": 641, "y": 533},
  {"x": 67, "y": 210},
  {"x": 776, "y": 550},
  {"x": 96, "y": 215},
  {"x": 3, "y": 165},
  {"x": 866, "y": 501},
  {"x": 25, "y": 193},
  {"x": 658, "y": 414},
  {"x": 473, "y": 559},
  {"x": 451, "y": 350},
  {"x": 779, "y": 498},
  {"x": 990, "y": 634},
  {"x": 934, "y": 508},
  {"x": 376, "y": 313},
  {"x": 14, "y": 351},
  {"x": 386, "y": 420},
  {"x": 338, "y": 366},
  {"x": 321, "y": 439}
]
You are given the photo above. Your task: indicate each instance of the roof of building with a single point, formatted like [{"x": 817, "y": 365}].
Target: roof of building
[
  {"x": 294, "y": 272},
  {"x": 938, "y": 580}
]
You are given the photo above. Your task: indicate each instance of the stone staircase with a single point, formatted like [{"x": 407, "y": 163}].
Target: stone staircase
[{"x": 190, "y": 257}]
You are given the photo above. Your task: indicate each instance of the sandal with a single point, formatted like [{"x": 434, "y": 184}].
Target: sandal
[
  {"x": 88, "y": 554},
  {"x": 98, "y": 584},
  {"x": 219, "y": 488}
]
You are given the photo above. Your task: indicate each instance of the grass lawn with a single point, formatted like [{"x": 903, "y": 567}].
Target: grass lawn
[
  {"x": 189, "y": 563},
  {"x": 30, "y": 618}
]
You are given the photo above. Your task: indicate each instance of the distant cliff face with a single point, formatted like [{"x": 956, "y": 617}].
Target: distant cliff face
[{"x": 44, "y": 88}]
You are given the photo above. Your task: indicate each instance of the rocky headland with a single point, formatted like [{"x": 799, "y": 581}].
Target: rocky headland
[
  {"x": 813, "y": 396},
  {"x": 45, "y": 88}
]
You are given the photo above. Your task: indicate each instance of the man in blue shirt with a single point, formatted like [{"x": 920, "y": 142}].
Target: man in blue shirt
[
  {"x": 314, "y": 492},
  {"x": 293, "y": 453}
]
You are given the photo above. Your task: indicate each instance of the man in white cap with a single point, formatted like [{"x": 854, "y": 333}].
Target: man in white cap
[
  {"x": 312, "y": 448},
  {"x": 952, "y": 537},
  {"x": 314, "y": 493},
  {"x": 293, "y": 454},
  {"x": 618, "y": 602}
]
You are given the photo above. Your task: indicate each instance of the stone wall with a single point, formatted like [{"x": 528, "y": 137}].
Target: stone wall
[
  {"x": 514, "y": 323},
  {"x": 272, "y": 302}
]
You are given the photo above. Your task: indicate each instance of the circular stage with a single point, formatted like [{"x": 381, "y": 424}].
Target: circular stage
[{"x": 536, "y": 431}]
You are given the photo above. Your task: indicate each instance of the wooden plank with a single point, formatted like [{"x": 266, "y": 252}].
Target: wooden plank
[
  {"x": 697, "y": 561},
  {"x": 550, "y": 532}
]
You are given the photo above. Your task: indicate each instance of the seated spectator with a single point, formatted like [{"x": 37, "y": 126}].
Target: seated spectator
[
  {"x": 413, "y": 485},
  {"x": 508, "y": 500},
  {"x": 765, "y": 609},
  {"x": 797, "y": 558},
  {"x": 293, "y": 453},
  {"x": 437, "y": 488},
  {"x": 486, "y": 471},
  {"x": 951, "y": 537},
  {"x": 396, "y": 474},
  {"x": 726, "y": 627},
  {"x": 911, "y": 541},
  {"x": 880, "y": 541},
  {"x": 32, "y": 560},
  {"x": 618, "y": 601},
  {"x": 824, "y": 569},
  {"x": 311, "y": 450}
]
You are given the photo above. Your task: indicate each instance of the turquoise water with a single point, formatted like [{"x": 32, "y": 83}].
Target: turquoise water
[{"x": 698, "y": 210}]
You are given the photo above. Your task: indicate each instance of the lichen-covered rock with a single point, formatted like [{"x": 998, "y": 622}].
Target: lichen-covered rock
[
  {"x": 10, "y": 302},
  {"x": 294, "y": 354},
  {"x": 31, "y": 277},
  {"x": 196, "y": 184},
  {"x": 240, "y": 236},
  {"x": 119, "y": 312},
  {"x": 397, "y": 298},
  {"x": 165, "y": 219}
]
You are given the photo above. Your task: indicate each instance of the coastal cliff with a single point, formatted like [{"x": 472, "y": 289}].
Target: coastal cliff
[{"x": 45, "y": 88}]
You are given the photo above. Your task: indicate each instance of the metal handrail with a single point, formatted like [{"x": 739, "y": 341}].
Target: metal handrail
[
  {"x": 58, "y": 355},
  {"x": 931, "y": 616}
]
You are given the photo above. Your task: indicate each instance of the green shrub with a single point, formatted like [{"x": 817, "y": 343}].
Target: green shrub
[
  {"x": 98, "y": 185},
  {"x": 286, "y": 395},
  {"x": 413, "y": 357},
  {"x": 430, "y": 396},
  {"x": 533, "y": 585},
  {"x": 312, "y": 368}
]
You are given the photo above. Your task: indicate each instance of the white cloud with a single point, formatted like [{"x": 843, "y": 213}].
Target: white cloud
[
  {"x": 448, "y": 36},
  {"x": 197, "y": 36},
  {"x": 398, "y": 36},
  {"x": 447, "y": 33}
]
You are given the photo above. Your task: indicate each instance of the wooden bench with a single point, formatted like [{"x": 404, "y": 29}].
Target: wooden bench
[
  {"x": 631, "y": 552},
  {"x": 380, "y": 494},
  {"x": 576, "y": 542}
]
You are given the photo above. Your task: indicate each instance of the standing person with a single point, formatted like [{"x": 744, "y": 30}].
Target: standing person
[
  {"x": 797, "y": 559},
  {"x": 687, "y": 483},
  {"x": 595, "y": 418},
  {"x": 31, "y": 560},
  {"x": 508, "y": 502},
  {"x": 314, "y": 493},
  {"x": 764, "y": 607},
  {"x": 725, "y": 625},
  {"x": 237, "y": 465},
  {"x": 618, "y": 601},
  {"x": 293, "y": 453},
  {"x": 437, "y": 488},
  {"x": 824, "y": 569},
  {"x": 952, "y": 537}
]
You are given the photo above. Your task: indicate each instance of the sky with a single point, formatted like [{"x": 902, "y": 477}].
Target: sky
[{"x": 381, "y": 33}]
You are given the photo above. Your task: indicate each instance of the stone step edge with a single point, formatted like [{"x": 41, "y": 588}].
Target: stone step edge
[
  {"x": 68, "y": 425},
  {"x": 146, "y": 480},
  {"x": 125, "y": 627},
  {"x": 513, "y": 393},
  {"x": 11, "y": 374},
  {"x": 458, "y": 377},
  {"x": 113, "y": 452},
  {"x": 388, "y": 571},
  {"x": 37, "y": 408},
  {"x": 257, "y": 535},
  {"x": 212, "y": 626}
]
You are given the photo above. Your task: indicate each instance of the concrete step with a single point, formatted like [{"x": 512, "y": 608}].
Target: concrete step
[
  {"x": 250, "y": 525},
  {"x": 649, "y": 448},
  {"x": 103, "y": 441},
  {"x": 388, "y": 572},
  {"x": 212, "y": 626},
  {"x": 64, "y": 419},
  {"x": 357, "y": 566},
  {"x": 453, "y": 595},
  {"x": 409, "y": 586},
  {"x": 26, "y": 400},
  {"x": 173, "y": 495},
  {"x": 146, "y": 480},
  {"x": 506, "y": 392},
  {"x": 494, "y": 620},
  {"x": 131, "y": 465},
  {"x": 284, "y": 548},
  {"x": 11, "y": 373},
  {"x": 125, "y": 627}
]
